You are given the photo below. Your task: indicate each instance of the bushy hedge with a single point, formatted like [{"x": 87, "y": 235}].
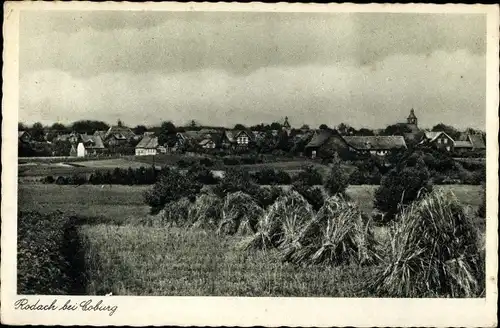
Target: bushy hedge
[
  {"x": 401, "y": 186},
  {"x": 337, "y": 180},
  {"x": 48, "y": 254},
  {"x": 171, "y": 186},
  {"x": 310, "y": 176},
  {"x": 313, "y": 194},
  {"x": 270, "y": 176}
]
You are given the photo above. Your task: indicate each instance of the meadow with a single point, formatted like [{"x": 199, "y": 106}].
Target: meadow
[{"x": 124, "y": 257}]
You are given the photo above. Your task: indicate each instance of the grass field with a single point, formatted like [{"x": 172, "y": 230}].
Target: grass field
[{"x": 190, "y": 263}]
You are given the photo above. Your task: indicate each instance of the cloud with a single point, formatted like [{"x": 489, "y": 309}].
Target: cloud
[
  {"x": 441, "y": 86},
  {"x": 89, "y": 44}
]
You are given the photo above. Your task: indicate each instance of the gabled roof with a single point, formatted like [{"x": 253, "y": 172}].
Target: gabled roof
[
  {"x": 22, "y": 133},
  {"x": 477, "y": 141},
  {"x": 319, "y": 138},
  {"x": 433, "y": 135},
  {"x": 119, "y": 132},
  {"x": 232, "y": 135},
  {"x": 91, "y": 142},
  {"x": 376, "y": 142},
  {"x": 148, "y": 142}
]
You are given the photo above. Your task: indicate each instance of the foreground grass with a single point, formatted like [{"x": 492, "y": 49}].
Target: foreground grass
[{"x": 136, "y": 260}]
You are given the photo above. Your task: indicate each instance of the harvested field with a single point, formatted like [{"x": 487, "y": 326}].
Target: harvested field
[{"x": 158, "y": 261}]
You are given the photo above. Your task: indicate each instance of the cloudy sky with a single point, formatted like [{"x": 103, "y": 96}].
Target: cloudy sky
[{"x": 224, "y": 68}]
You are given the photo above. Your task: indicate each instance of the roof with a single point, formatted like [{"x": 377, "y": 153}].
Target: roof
[
  {"x": 477, "y": 141},
  {"x": 148, "y": 142},
  {"x": 462, "y": 144},
  {"x": 231, "y": 135},
  {"x": 92, "y": 142},
  {"x": 433, "y": 135},
  {"x": 376, "y": 142},
  {"x": 119, "y": 132},
  {"x": 412, "y": 114},
  {"x": 286, "y": 124},
  {"x": 100, "y": 133},
  {"x": 205, "y": 141},
  {"x": 319, "y": 138},
  {"x": 21, "y": 133}
]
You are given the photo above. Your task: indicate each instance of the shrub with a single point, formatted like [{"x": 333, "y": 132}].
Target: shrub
[
  {"x": 270, "y": 176},
  {"x": 173, "y": 214},
  {"x": 171, "y": 186},
  {"x": 401, "y": 186},
  {"x": 61, "y": 180},
  {"x": 231, "y": 161},
  {"x": 240, "y": 214},
  {"x": 481, "y": 211},
  {"x": 205, "y": 161},
  {"x": 313, "y": 195},
  {"x": 434, "y": 251},
  {"x": 266, "y": 196},
  {"x": 202, "y": 175},
  {"x": 206, "y": 212},
  {"x": 282, "y": 222},
  {"x": 49, "y": 179},
  {"x": 337, "y": 235},
  {"x": 235, "y": 180},
  {"x": 47, "y": 255},
  {"x": 336, "y": 181},
  {"x": 310, "y": 176},
  {"x": 182, "y": 163}
]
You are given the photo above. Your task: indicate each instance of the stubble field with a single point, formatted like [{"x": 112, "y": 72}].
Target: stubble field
[{"x": 127, "y": 258}]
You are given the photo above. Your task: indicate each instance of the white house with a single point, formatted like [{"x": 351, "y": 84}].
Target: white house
[{"x": 147, "y": 146}]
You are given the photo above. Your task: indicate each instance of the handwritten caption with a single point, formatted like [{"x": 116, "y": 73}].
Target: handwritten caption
[{"x": 85, "y": 306}]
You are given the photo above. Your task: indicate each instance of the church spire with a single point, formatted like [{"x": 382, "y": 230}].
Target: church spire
[{"x": 412, "y": 118}]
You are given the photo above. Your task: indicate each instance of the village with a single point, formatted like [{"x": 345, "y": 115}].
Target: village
[{"x": 303, "y": 141}]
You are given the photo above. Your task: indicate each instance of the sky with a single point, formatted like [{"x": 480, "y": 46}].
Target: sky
[{"x": 223, "y": 68}]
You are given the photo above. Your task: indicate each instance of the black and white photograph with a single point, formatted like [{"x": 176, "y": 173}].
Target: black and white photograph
[{"x": 248, "y": 154}]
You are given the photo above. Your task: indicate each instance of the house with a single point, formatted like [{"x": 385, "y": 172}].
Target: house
[
  {"x": 376, "y": 145},
  {"x": 207, "y": 144},
  {"x": 326, "y": 142},
  {"x": 89, "y": 146},
  {"x": 438, "y": 139},
  {"x": 72, "y": 138},
  {"x": 147, "y": 146},
  {"x": 469, "y": 142},
  {"x": 118, "y": 135},
  {"x": 237, "y": 138},
  {"x": 24, "y": 136}
]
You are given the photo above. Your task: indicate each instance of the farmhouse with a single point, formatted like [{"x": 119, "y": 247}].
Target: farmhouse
[
  {"x": 147, "y": 146},
  {"x": 376, "y": 145},
  {"x": 118, "y": 135},
  {"x": 24, "y": 136},
  {"x": 327, "y": 142},
  {"x": 438, "y": 139},
  {"x": 89, "y": 146},
  {"x": 237, "y": 138}
]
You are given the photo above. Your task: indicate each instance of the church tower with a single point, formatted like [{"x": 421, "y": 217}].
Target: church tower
[
  {"x": 412, "y": 119},
  {"x": 286, "y": 126}
]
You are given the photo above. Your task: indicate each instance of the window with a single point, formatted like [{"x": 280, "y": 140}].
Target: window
[
  {"x": 448, "y": 148},
  {"x": 445, "y": 141},
  {"x": 439, "y": 141}
]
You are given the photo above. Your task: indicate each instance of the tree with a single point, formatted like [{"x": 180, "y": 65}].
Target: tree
[
  {"x": 275, "y": 126},
  {"x": 88, "y": 126},
  {"x": 323, "y": 127},
  {"x": 37, "y": 132},
  {"x": 449, "y": 130},
  {"x": 21, "y": 126},
  {"x": 396, "y": 130},
  {"x": 140, "y": 129},
  {"x": 305, "y": 127},
  {"x": 365, "y": 132},
  {"x": 239, "y": 127},
  {"x": 167, "y": 133},
  {"x": 345, "y": 130},
  {"x": 402, "y": 185},
  {"x": 283, "y": 142},
  {"x": 59, "y": 127},
  {"x": 337, "y": 180}
]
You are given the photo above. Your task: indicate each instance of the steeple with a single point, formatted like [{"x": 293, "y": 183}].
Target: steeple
[
  {"x": 412, "y": 119},
  {"x": 286, "y": 124}
]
